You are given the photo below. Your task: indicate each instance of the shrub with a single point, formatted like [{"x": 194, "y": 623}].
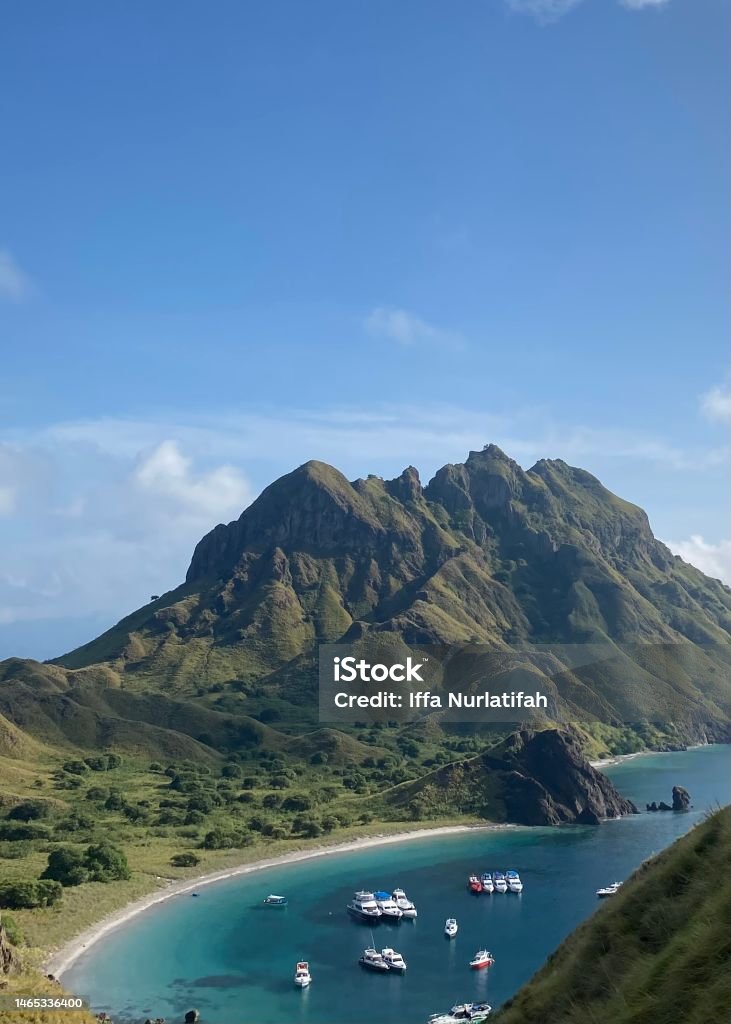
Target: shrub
[
  {"x": 22, "y": 895},
  {"x": 155, "y": 766},
  {"x": 106, "y": 863},
  {"x": 185, "y": 860},
  {"x": 97, "y": 793},
  {"x": 114, "y": 801},
  {"x": 13, "y": 831},
  {"x": 297, "y": 802},
  {"x": 66, "y": 866},
  {"x": 231, "y": 771},
  {"x": 75, "y": 767},
  {"x": 29, "y": 810}
]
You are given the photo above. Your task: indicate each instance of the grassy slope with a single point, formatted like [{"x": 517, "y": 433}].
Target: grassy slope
[{"x": 657, "y": 953}]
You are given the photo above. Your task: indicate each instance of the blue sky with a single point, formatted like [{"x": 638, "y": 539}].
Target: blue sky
[{"x": 234, "y": 236}]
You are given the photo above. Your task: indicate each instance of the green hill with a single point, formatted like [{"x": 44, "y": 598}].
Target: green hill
[{"x": 657, "y": 953}]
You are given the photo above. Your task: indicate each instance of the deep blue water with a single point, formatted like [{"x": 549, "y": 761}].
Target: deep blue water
[{"x": 234, "y": 960}]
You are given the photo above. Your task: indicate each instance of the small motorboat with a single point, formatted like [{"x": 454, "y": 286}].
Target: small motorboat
[
  {"x": 499, "y": 881},
  {"x": 451, "y": 927},
  {"x": 471, "y": 1012},
  {"x": 275, "y": 901},
  {"x": 388, "y": 906},
  {"x": 514, "y": 882},
  {"x": 482, "y": 958},
  {"x": 486, "y": 880},
  {"x": 474, "y": 884},
  {"x": 405, "y": 905},
  {"x": 608, "y": 890},
  {"x": 394, "y": 960},
  {"x": 302, "y": 976},
  {"x": 372, "y": 960}
]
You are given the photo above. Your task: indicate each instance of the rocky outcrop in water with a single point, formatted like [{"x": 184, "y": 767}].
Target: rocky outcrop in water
[
  {"x": 681, "y": 801},
  {"x": 681, "y": 798}
]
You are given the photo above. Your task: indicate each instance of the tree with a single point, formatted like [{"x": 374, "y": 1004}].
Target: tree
[
  {"x": 106, "y": 863},
  {"x": 67, "y": 866},
  {"x": 75, "y": 767}
]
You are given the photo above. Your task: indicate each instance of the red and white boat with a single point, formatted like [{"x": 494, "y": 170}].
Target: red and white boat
[
  {"x": 482, "y": 958},
  {"x": 474, "y": 884}
]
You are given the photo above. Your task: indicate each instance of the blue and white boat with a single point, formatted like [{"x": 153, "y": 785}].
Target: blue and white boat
[
  {"x": 486, "y": 880},
  {"x": 388, "y": 906},
  {"x": 514, "y": 882},
  {"x": 499, "y": 881}
]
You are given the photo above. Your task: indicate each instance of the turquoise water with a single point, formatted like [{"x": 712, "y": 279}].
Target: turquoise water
[{"x": 234, "y": 960}]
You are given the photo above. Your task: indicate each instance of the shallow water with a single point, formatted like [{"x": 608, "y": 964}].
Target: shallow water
[{"x": 226, "y": 955}]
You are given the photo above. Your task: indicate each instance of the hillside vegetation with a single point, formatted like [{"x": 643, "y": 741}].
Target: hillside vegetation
[{"x": 657, "y": 953}]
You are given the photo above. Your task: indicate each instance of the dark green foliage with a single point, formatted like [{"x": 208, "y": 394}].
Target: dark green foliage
[
  {"x": 185, "y": 860},
  {"x": 29, "y": 810},
  {"x": 13, "y": 831},
  {"x": 106, "y": 863},
  {"x": 20, "y": 895},
  {"x": 75, "y": 767},
  {"x": 67, "y": 866}
]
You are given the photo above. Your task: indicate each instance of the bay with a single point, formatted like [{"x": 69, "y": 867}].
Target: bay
[{"x": 226, "y": 955}]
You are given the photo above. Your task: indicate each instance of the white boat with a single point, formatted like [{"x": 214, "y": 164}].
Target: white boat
[
  {"x": 363, "y": 906},
  {"x": 514, "y": 882},
  {"x": 608, "y": 890},
  {"x": 499, "y": 882},
  {"x": 372, "y": 960},
  {"x": 471, "y": 1012},
  {"x": 405, "y": 905},
  {"x": 482, "y": 958},
  {"x": 394, "y": 960},
  {"x": 388, "y": 907},
  {"x": 486, "y": 880},
  {"x": 450, "y": 927},
  {"x": 302, "y": 976}
]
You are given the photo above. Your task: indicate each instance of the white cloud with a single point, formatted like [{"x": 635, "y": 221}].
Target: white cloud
[
  {"x": 712, "y": 559},
  {"x": 405, "y": 328},
  {"x": 551, "y": 10},
  {"x": 165, "y": 473},
  {"x": 716, "y": 403},
  {"x": 638, "y": 5},
  {"x": 14, "y": 283},
  {"x": 543, "y": 10}
]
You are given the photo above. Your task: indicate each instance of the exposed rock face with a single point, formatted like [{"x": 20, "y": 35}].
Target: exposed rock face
[
  {"x": 550, "y": 781},
  {"x": 681, "y": 798},
  {"x": 533, "y": 778},
  {"x": 9, "y": 961}
]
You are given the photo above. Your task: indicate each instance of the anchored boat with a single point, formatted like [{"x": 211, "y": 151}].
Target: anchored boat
[
  {"x": 473, "y": 1012},
  {"x": 450, "y": 927},
  {"x": 302, "y": 976},
  {"x": 405, "y": 905},
  {"x": 608, "y": 890},
  {"x": 394, "y": 960},
  {"x": 482, "y": 958},
  {"x": 276, "y": 901},
  {"x": 372, "y": 960}
]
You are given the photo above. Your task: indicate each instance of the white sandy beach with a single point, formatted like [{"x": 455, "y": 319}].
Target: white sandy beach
[{"x": 60, "y": 961}]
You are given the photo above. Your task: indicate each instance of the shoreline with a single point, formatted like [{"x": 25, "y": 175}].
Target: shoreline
[{"x": 58, "y": 962}]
